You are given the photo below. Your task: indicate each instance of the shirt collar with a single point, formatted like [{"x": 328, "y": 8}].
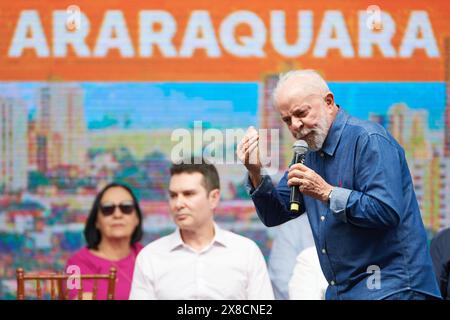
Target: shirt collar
[
  {"x": 335, "y": 132},
  {"x": 219, "y": 237}
]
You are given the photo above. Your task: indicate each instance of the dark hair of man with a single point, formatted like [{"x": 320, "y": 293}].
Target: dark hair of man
[{"x": 210, "y": 175}]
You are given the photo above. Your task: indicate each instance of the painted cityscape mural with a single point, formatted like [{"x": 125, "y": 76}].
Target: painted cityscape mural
[{"x": 69, "y": 126}]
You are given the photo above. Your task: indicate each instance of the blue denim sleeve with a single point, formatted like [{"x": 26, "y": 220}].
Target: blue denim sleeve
[
  {"x": 338, "y": 202},
  {"x": 440, "y": 256},
  {"x": 272, "y": 202},
  {"x": 380, "y": 169}
]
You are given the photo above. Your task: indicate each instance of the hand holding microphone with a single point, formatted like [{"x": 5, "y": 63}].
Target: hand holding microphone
[
  {"x": 300, "y": 149},
  {"x": 305, "y": 180}
]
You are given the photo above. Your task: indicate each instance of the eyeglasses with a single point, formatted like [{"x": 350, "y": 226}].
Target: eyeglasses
[{"x": 126, "y": 207}]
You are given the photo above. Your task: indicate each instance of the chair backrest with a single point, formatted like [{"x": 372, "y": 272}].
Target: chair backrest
[{"x": 58, "y": 284}]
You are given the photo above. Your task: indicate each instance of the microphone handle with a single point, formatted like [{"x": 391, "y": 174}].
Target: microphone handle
[{"x": 294, "y": 200}]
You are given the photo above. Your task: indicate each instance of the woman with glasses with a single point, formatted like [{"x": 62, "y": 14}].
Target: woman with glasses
[{"x": 113, "y": 231}]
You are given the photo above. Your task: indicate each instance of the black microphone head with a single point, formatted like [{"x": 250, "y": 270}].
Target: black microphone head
[{"x": 300, "y": 146}]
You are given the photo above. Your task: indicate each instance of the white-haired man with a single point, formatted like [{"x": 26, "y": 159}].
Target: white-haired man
[{"x": 357, "y": 191}]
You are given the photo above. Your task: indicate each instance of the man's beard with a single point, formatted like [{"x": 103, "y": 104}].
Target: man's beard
[{"x": 318, "y": 134}]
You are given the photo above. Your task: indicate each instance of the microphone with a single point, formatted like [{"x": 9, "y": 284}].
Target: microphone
[{"x": 300, "y": 148}]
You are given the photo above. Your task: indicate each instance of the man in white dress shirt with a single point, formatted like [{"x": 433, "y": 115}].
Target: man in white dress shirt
[
  {"x": 307, "y": 281},
  {"x": 199, "y": 260}
]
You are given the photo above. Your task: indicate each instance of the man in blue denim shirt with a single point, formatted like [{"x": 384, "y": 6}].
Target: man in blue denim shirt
[{"x": 357, "y": 191}]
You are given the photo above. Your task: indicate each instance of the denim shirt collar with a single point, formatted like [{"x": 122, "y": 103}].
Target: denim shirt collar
[{"x": 335, "y": 132}]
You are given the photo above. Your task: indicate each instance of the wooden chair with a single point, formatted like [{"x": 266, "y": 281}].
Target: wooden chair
[{"x": 58, "y": 284}]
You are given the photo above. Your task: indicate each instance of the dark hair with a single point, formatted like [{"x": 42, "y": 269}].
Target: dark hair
[
  {"x": 92, "y": 234},
  {"x": 210, "y": 175}
]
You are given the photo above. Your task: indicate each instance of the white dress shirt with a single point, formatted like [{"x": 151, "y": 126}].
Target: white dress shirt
[
  {"x": 231, "y": 268},
  {"x": 290, "y": 238},
  {"x": 308, "y": 281}
]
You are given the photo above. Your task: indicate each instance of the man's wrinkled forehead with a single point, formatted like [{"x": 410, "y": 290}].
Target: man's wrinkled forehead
[
  {"x": 298, "y": 88},
  {"x": 186, "y": 181},
  {"x": 296, "y": 99}
]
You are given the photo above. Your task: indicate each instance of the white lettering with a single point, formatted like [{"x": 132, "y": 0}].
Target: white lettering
[
  {"x": 114, "y": 34},
  {"x": 242, "y": 34},
  {"x": 62, "y": 36},
  {"x": 213, "y": 152},
  {"x": 29, "y": 22},
  {"x": 278, "y": 33},
  {"x": 370, "y": 37},
  {"x": 419, "y": 23},
  {"x": 182, "y": 149},
  {"x": 333, "y": 22},
  {"x": 244, "y": 46},
  {"x": 148, "y": 37},
  {"x": 200, "y": 23}
]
